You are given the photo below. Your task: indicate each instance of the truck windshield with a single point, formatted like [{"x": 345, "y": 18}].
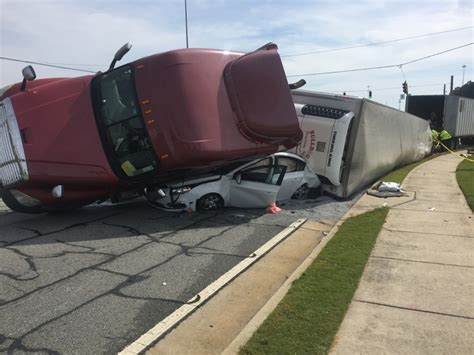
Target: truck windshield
[{"x": 123, "y": 131}]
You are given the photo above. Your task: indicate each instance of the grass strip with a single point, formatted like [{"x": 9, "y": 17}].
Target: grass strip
[
  {"x": 307, "y": 319},
  {"x": 465, "y": 177},
  {"x": 400, "y": 174}
]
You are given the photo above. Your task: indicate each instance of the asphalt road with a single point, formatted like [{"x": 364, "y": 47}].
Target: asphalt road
[{"x": 94, "y": 280}]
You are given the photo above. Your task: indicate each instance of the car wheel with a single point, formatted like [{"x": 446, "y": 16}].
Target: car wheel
[
  {"x": 210, "y": 202},
  {"x": 16, "y": 206},
  {"x": 301, "y": 192}
]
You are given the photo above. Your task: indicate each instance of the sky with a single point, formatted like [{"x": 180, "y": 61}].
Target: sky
[{"x": 86, "y": 34}]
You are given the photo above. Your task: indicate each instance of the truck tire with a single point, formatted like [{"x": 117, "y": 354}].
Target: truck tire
[
  {"x": 14, "y": 205},
  {"x": 210, "y": 202}
]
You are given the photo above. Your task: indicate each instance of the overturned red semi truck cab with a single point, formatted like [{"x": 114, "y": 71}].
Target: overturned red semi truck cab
[{"x": 182, "y": 112}]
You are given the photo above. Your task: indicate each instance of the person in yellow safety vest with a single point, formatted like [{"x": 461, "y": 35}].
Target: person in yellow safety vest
[
  {"x": 442, "y": 136},
  {"x": 438, "y": 137}
]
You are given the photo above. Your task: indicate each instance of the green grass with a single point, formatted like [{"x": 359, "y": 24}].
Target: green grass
[
  {"x": 465, "y": 177},
  {"x": 307, "y": 319},
  {"x": 400, "y": 174}
]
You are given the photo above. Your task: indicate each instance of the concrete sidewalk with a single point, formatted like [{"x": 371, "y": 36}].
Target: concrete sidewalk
[{"x": 417, "y": 292}]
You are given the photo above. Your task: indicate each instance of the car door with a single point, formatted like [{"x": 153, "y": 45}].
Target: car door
[
  {"x": 293, "y": 177},
  {"x": 256, "y": 186}
]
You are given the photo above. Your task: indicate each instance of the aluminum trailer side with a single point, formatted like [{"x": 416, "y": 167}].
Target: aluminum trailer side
[
  {"x": 380, "y": 138},
  {"x": 459, "y": 116}
]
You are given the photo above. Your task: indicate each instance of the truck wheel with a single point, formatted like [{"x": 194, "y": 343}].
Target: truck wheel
[
  {"x": 301, "y": 193},
  {"x": 14, "y": 205},
  {"x": 210, "y": 202}
]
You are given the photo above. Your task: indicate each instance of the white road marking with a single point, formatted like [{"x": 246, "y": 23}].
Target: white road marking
[{"x": 182, "y": 312}]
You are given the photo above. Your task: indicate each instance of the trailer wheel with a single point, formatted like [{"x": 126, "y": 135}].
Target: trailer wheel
[
  {"x": 210, "y": 202},
  {"x": 301, "y": 192},
  {"x": 14, "y": 205}
]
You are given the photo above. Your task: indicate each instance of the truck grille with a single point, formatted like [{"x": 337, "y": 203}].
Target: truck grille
[
  {"x": 13, "y": 169},
  {"x": 322, "y": 111}
]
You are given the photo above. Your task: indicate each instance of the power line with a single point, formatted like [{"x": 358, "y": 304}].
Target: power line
[
  {"x": 388, "y": 88},
  {"x": 376, "y": 43},
  {"x": 435, "y": 54},
  {"x": 46, "y": 65},
  {"x": 78, "y": 64},
  {"x": 345, "y": 70},
  {"x": 382, "y": 66}
]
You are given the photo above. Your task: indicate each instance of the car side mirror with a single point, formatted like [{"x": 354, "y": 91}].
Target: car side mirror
[
  {"x": 238, "y": 178},
  {"x": 28, "y": 75}
]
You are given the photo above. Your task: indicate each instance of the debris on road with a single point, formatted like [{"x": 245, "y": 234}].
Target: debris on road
[{"x": 386, "y": 189}]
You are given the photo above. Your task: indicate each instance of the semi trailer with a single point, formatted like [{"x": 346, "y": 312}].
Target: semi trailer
[
  {"x": 350, "y": 142},
  {"x": 453, "y": 113}
]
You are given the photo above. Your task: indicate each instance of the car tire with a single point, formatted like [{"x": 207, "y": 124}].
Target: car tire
[
  {"x": 301, "y": 192},
  {"x": 14, "y": 205},
  {"x": 210, "y": 202}
]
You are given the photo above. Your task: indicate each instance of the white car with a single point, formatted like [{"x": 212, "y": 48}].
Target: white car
[{"x": 259, "y": 183}]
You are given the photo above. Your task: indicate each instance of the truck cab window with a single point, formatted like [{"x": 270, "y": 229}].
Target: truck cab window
[{"x": 123, "y": 131}]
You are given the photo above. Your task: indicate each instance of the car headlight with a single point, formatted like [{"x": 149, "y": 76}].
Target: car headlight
[{"x": 180, "y": 190}]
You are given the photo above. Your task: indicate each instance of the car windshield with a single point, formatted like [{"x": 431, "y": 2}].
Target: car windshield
[{"x": 123, "y": 130}]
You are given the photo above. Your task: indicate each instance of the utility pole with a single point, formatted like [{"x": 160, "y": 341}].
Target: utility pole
[
  {"x": 452, "y": 84},
  {"x": 463, "y": 69},
  {"x": 444, "y": 90},
  {"x": 186, "y": 21}
]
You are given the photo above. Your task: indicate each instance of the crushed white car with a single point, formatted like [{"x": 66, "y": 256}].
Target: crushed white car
[{"x": 259, "y": 183}]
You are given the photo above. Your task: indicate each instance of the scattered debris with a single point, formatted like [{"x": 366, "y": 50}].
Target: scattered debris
[
  {"x": 389, "y": 186},
  {"x": 432, "y": 209},
  {"x": 386, "y": 189}
]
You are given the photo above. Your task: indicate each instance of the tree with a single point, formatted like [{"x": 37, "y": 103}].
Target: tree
[{"x": 467, "y": 90}]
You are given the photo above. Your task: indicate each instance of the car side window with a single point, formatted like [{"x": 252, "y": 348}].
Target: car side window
[
  {"x": 300, "y": 165},
  {"x": 264, "y": 162},
  {"x": 276, "y": 174},
  {"x": 256, "y": 174},
  {"x": 291, "y": 164}
]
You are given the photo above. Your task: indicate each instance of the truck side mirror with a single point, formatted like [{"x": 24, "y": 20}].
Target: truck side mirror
[
  {"x": 119, "y": 54},
  {"x": 297, "y": 85},
  {"x": 28, "y": 75},
  {"x": 267, "y": 46}
]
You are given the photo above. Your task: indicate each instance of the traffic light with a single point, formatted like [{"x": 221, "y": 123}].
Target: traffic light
[
  {"x": 405, "y": 87},
  {"x": 370, "y": 94}
]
